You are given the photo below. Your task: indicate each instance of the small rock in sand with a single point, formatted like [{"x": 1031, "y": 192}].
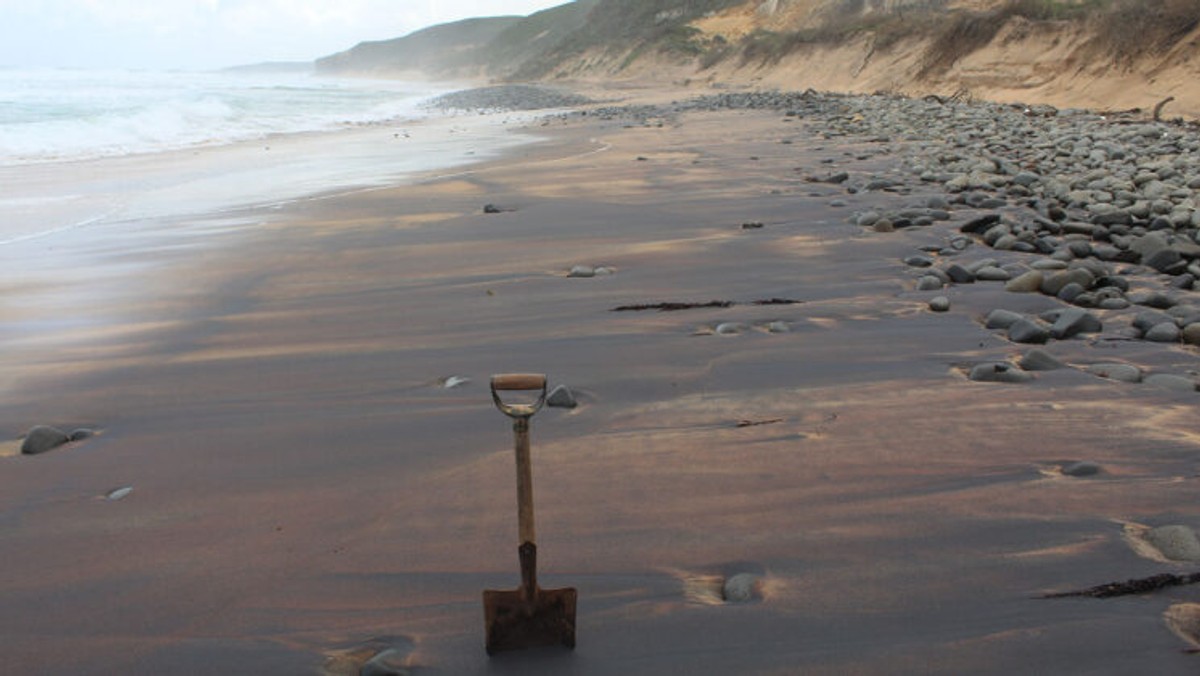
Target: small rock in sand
[
  {"x": 998, "y": 372},
  {"x": 582, "y": 271},
  {"x": 43, "y": 438},
  {"x": 1177, "y": 543},
  {"x": 1170, "y": 381},
  {"x": 742, "y": 588},
  {"x": 561, "y": 397},
  {"x": 1081, "y": 468},
  {"x": 1126, "y": 373},
  {"x": 939, "y": 304},
  {"x": 1025, "y": 330},
  {"x": 1040, "y": 360},
  {"x": 728, "y": 329}
]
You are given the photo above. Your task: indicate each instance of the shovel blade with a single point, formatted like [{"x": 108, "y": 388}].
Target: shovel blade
[{"x": 514, "y": 622}]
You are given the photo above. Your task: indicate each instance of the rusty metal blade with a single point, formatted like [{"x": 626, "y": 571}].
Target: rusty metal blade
[{"x": 514, "y": 622}]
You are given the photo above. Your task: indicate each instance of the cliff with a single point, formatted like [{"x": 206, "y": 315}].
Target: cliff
[{"x": 1105, "y": 54}]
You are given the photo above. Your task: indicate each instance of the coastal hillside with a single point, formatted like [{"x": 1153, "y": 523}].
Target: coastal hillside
[
  {"x": 1104, "y": 54},
  {"x": 436, "y": 51},
  {"x": 489, "y": 47}
]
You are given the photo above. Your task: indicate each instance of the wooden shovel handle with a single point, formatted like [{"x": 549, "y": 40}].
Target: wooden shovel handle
[{"x": 519, "y": 381}]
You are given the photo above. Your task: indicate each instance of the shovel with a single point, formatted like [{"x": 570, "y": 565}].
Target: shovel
[{"x": 529, "y": 616}]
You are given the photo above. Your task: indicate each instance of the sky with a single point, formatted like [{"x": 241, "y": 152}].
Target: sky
[{"x": 204, "y": 34}]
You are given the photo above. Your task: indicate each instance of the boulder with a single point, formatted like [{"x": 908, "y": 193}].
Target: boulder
[{"x": 1040, "y": 360}]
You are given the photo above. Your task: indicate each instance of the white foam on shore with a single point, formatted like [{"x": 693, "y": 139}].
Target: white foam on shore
[{"x": 50, "y": 198}]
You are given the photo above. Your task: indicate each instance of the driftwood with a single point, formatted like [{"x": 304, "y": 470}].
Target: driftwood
[
  {"x": 674, "y": 306},
  {"x": 1142, "y": 585},
  {"x": 1158, "y": 108},
  {"x": 756, "y": 423}
]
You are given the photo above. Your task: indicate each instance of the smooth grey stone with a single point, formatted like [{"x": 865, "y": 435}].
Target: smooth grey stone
[
  {"x": 1191, "y": 334},
  {"x": 561, "y": 397},
  {"x": 1040, "y": 360},
  {"x": 779, "y": 327},
  {"x": 1163, "y": 333},
  {"x": 1146, "y": 320},
  {"x": 1175, "y": 542},
  {"x": 741, "y": 588},
  {"x": 1027, "y": 283},
  {"x": 1081, "y": 468},
  {"x": 998, "y": 372},
  {"x": 868, "y": 218},
  {"x": 1171, "y": 381},
  {"x": 43, "y": 438},
  {"x": 939, "y": 304},
  {"x": 583, "y": 271},
  {"x": 959, "y": 274},
  {"x": 1055, "y": 281},
  {"x": 1048, "y": 264},
  {"x": 1002, "y": 319},
  {"x": 1026, "y": 330},
  {"x": 918, "y": 261},
  {"x": 1074, "y": 321},
  {"x": 1154, "y": 299},
  {"x": 1126, "y": 373},
  {"x": 728, "y": 329},
  {"x": 992, "y": 273},
  {"x": 1163, "y": 259},
  {"x": 1070, "y": 292},
  {"x": 82, "y": 433},
  {"x": 928, "y": 283}
]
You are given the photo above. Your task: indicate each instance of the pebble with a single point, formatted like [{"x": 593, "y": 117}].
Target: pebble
[
  {"x": 561, "y": 397},
  {"x": 1126, "y": 373},
  {"x": 1081, "y": 468},
  {"x": 998, "y": 372},
  {"x": 43, "y": 438},
  {"x": 1002, "y": 319},
  {"x": 1025, "y": 283},
  {"x": 583, "y": 271},
  {"x": 728, "y": 329},
  {"x": 1040, "y": 360},
  {"x": 1169, "y": 381},
  {"x": 939, "y": 304},
  {"x": 1163, "y": 333},
  {"x": 929, "y": 283},
  {"x": 742, "y": 588},
  {"x": 1026, "y": 330},
  {"x": 1074, "y": 321}
]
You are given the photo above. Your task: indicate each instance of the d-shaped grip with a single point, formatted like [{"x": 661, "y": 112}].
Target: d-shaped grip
[{"x": 517, "y": 382}]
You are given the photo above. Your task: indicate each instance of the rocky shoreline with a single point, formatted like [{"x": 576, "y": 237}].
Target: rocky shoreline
[{"x": 1098, "y": 212}]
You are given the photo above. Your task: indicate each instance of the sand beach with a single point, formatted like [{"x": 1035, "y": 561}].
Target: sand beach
[{"x": 297, "y": 465}]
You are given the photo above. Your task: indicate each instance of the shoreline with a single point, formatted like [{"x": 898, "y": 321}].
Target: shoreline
[{"x": 305, "y": 489}]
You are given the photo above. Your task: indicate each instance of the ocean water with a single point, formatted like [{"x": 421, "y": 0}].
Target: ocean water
[
  {"x": 55, "y": 115},
  {"x": 86, "y": 149}
]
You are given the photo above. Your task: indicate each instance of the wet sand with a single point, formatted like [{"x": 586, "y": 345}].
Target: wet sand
[{"x": 305, "y": 491}]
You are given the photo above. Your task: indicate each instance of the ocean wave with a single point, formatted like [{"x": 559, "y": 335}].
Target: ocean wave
[{"x": 55, "y": 115}]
